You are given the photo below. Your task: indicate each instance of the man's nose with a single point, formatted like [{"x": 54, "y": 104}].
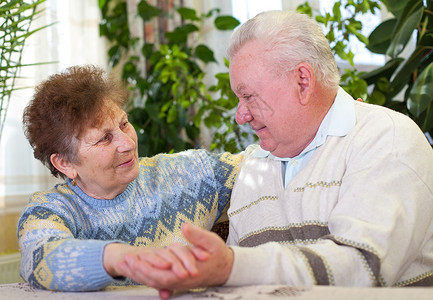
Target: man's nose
[{"x": 243, "y": 114}]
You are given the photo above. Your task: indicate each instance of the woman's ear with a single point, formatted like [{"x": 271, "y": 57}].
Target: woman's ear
[
  {"x": 63, "y": 165},
  {"x": 306, "y": 80}
]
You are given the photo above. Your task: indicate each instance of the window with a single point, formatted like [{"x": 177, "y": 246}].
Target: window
[{"x": 247, "y": 9}]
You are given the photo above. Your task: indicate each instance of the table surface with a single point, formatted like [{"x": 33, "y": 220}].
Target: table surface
[{"x": 20, "y": 291}]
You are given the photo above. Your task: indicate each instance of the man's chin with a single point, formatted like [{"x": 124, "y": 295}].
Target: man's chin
[{"x": 265, "y": 146}]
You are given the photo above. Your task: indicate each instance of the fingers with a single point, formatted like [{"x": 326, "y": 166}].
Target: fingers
[
  {"x": 143, "y": 272},
  {"x": 201, "y": 238},
  {"x": 177, "y": 258},
  {"x": 181, "y": 259},
  {"x": 154, "y": 259},
  {"x": 136, "y": 269},
  {"x": 164, "y": 294}
]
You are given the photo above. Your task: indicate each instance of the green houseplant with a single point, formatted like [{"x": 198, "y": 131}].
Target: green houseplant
[
  {"x": 171, "y": 103},
  {"x": 405, "y": 83},
  {"x": 16, "y": 17}
]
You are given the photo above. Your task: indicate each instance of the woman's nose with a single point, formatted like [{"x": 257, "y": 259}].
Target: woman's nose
[
  {"x": 243, "y": 114},
  {"x": 126, "y": 141}
]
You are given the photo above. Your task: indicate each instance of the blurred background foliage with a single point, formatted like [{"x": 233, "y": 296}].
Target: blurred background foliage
[
  {"x": 172, "y": 106},
  {"x": 404, "y": 83}
]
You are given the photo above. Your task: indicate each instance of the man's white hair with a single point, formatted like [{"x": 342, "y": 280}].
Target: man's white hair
[{"x": 290, "y": 38}]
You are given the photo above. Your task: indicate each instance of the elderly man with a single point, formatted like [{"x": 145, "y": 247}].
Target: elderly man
[{"x": 339, "y": 192}]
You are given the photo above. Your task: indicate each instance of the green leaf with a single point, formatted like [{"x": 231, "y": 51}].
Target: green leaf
[
  {"x": 336, "y": 11},
  {"x": 192, "y": 131},
  {"x": 226, "y": 22},
  {"x": 320, "y": 19},
  {"x": 305, "y": 9},
  {"x": 427, "y": 126},
  {"x": 114, "y": 54},
  {"x": 377, "y": 97},
  {"x": 396, "y": 7},
  {"x": 210, "y": 12},
  {"x": 405, "y": 27},
  {"x": 362, "y": 38},
  {"x": 188, "y": 14},
  {"x": 421, "y": 94},
  {"x": 172, "y": 114},
  {"x": 223, "y": 76},
  {"x": 380, "y": 39},
  {"x": 405, "y": 70},
  {"x": 166, "y": 106},
  {"x": 386, "y": 71},
  {"x": 204, "y": 53},
  {"x": 147, "y": 12},
  {"x": 147, "y": 49},
  {"x": 180, "y": 34},
  {"x": 101, "y": 3}
]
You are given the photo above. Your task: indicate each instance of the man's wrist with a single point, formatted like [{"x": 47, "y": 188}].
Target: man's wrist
[{"x": 229, "y": 265}]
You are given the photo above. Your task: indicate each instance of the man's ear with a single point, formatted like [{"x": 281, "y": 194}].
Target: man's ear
[
  {"x": 63, "y": 165},
  {"x": 306, "y": 80}
]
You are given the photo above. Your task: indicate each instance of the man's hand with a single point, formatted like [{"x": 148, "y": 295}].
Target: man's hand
[
  {"x": 216, "y": 269},
  {"x": 210, "y": 256}
]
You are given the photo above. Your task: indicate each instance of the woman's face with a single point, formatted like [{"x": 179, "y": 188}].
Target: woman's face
[{"x": 107, "y": 156}]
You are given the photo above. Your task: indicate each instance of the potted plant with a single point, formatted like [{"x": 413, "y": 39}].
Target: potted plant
[
  {"x": 170, "y": 101},
  {"x": 405, "y": 83},
  {"x": 16, "y": 17}
]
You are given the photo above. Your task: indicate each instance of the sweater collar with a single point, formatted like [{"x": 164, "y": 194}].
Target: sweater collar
[{"x": 103, "y": 202}]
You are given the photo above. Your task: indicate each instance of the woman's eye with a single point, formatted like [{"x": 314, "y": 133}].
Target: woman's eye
[
  {"x": 124, "y": 124},
  {"x": 105, "y": 138}
]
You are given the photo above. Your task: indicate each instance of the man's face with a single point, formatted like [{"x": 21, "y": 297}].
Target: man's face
[{"x": 267, "y": 101}]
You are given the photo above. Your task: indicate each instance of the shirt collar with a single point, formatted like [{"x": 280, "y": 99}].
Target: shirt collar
[{"x": 339, "y": 120}]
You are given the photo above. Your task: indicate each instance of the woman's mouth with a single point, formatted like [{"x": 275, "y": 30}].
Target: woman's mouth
[{"x": 127, "y": 163}]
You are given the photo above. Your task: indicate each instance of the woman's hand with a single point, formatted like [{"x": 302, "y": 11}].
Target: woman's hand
[
  {"x": 208, "y": 262},
  {"x": 176, "y": 258},
  {"x": 115, "y": 253}
]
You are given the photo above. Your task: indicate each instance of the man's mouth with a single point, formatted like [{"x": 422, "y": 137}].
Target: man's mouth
[{"x": 258, "y": 128}]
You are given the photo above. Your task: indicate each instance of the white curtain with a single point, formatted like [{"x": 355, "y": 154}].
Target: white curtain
[{"x": 73, "y": 38}]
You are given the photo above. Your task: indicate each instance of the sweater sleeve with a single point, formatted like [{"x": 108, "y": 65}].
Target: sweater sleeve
[
  {"x": 52, "y": 258},
  {"x": 225, "y": 168}
]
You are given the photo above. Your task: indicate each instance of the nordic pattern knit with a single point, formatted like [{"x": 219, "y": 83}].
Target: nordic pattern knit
[
  {"x": 359, "y": 214},
  {"x": 62, "y": 232}
]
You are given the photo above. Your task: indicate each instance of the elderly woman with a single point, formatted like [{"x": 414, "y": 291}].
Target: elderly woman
[{"x": 112, "y": 203}]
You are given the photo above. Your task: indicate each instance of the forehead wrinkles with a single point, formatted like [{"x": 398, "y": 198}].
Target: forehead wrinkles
[
  {"x": 103, "y": 121},
  {"x": 248, "y": 73}
]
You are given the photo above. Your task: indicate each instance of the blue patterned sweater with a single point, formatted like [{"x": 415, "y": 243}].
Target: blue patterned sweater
[{"x": 62, "y": 232}]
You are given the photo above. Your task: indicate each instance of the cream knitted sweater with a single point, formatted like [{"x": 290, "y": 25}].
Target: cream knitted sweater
[{"x": 359, "y": 214}]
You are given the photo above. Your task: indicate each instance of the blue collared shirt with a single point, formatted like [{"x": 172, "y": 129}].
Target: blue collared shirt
[{"x": 339, "y": 120}]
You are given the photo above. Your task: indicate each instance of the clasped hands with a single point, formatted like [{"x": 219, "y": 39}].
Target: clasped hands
[{"x": 207, "y": 262}]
